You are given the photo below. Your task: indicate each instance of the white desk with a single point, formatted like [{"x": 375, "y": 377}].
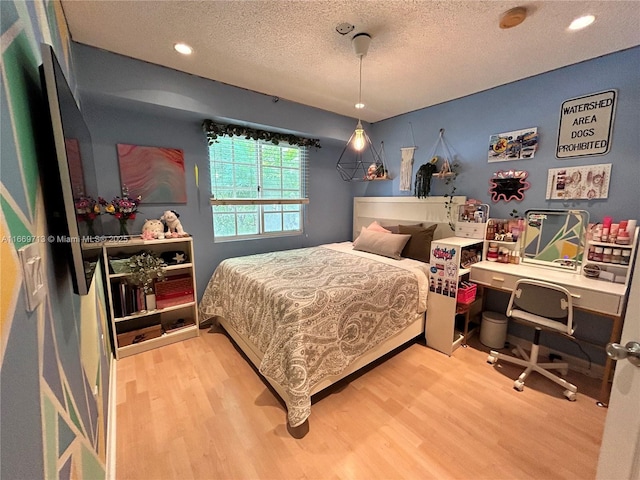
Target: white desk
[{"x": 601, "y": 297}]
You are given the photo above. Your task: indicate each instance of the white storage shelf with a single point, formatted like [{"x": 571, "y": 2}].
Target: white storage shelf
[
  {"x": 164, "y": 318},
  {"x": 441, "y": 331},
  {"x": 619, "y": 270}
]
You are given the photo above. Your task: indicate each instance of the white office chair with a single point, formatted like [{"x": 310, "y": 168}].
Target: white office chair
[{"x": 544, "y": 306}]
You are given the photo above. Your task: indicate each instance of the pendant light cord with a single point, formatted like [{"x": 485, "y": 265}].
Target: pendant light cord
[{"x": 360, "y": 86}]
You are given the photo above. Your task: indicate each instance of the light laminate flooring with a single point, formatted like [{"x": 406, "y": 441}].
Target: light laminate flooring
[{"x": 197, "y": 409}]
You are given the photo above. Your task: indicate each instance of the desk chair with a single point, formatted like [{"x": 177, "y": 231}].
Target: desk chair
[{"x": 544, "y": 306}]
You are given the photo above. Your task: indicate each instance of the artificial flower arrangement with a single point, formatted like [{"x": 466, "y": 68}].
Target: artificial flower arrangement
[
  {"x": 123, "y": 208},
  {"x": 87, "y": 209},
  {"x": 146, "y": 268}
]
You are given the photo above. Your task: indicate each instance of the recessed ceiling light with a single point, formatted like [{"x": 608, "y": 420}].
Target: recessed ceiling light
[
  {"x": 582, "y": 22},
  {"x": 359, "y": 106},
  {"x": 183, "y": 48}
]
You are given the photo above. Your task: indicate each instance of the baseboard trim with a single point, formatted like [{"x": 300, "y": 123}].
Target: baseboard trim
[
  {"x": 110, "y": 468},
  {"x": 576, "y": 364}
]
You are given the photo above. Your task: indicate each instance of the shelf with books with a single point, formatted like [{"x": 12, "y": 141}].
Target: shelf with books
[{"x": 142, "y": 319}]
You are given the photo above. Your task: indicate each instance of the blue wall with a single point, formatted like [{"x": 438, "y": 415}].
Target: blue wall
[
  {"x": 128, "y": 101},
  {"x": 532, "y": 102}
]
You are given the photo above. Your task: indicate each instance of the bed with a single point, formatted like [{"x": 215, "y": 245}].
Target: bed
[{"x": 309, "y": 317}]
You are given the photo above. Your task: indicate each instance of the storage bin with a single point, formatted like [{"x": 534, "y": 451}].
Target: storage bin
[
  {"x": 493, "y": 330},
  {"x": 467, "y": 294},
  {"x": 140, "y": 335},
  {"x": 175, "y": 290}
]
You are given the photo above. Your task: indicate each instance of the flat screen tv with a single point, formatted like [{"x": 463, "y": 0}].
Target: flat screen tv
[{"x": 69, "y": 178}]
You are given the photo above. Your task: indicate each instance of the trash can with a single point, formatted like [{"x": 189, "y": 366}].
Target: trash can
[{"x": 493, "y": 331}]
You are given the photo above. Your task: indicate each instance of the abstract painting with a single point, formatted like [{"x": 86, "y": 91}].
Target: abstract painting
[{"x": 154, "y": 173}]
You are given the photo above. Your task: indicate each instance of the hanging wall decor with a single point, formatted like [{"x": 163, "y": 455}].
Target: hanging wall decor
[
  {"x": 515, "y": 145},
  {"x": 154, "y": 173},
  {"x": 508, "y": 185},
  {"x": 406, "y": 163},
  {"x": 583, "y": 182},
  {"x": 586, "y": 124}
]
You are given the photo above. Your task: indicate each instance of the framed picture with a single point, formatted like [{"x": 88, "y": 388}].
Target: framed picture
[
  {"x": 515, "y": 145},
  {"x": 155, "y": 173}
]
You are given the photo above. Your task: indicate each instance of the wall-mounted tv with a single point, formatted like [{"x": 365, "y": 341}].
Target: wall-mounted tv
[{"x": 69, "y": 178}]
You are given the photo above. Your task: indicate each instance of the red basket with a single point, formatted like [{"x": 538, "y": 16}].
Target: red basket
[
  {"x": 175, "y": 290},
  {"x": 467, "y": 294}
]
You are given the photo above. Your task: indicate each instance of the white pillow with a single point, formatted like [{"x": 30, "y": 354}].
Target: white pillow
[{"x": 380, "y": 243}]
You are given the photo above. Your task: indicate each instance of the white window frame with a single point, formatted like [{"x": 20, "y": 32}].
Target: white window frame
[{"x": 260, "y": 201}]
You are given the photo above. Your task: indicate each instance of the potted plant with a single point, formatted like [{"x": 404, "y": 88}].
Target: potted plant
[{"x": 146, "y": 268}]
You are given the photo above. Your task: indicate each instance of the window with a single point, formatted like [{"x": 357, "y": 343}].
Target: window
[{"x": 257, "y": 188}]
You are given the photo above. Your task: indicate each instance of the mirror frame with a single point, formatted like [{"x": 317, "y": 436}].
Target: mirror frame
[{"x": 564, "y": 238}]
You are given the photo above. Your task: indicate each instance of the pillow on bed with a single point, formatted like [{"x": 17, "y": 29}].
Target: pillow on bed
[
  {"x": 419, "y": 246},
  {"x": 376, "y": 227},
  {"x": 396, "y": 228},
  {"x": 380, "y": 243}
]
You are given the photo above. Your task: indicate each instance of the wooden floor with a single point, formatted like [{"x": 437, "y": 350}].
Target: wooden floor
[{"x": 197, "y": 409}]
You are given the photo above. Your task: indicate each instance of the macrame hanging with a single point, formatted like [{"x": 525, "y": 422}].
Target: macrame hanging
[
  {"x": 429, "y": 170},
  {"x": 406, "y": 164}
]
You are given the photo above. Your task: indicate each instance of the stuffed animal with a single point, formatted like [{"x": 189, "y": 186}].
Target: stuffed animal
[
  {"x": 152, "y": 229},
  {"x": 174, "y": 227}
]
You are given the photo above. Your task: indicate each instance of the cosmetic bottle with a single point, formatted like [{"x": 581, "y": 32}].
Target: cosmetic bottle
[{"x": 606, "y": 226}]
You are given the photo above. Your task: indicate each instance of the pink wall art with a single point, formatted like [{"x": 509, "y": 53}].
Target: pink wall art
[{"x": 156, "y": 174}]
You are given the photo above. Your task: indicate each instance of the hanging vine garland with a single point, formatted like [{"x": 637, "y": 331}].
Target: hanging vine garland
[{"x": 215, "y": 130}]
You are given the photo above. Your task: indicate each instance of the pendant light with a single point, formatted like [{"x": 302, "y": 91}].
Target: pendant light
[{"x": 359, "y": 161}]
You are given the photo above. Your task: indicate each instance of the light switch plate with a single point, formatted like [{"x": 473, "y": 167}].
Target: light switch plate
[{"x": 33, "y": 274}]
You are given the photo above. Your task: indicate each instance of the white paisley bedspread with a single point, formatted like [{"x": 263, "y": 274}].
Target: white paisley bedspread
[{"x": 313, "y": 311}]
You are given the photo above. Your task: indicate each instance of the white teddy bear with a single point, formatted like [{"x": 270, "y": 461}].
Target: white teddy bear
[{"x": 170, "y": 218}]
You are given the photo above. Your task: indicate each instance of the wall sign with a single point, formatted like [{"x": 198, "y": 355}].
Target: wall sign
[{"x": 586, "y": 124}]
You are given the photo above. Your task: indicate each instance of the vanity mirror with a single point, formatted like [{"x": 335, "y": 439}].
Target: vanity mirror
[{"x": 554, "y": 238}]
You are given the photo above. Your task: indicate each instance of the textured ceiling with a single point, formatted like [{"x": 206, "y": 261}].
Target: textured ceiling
[{"x": 422, "y": 52}]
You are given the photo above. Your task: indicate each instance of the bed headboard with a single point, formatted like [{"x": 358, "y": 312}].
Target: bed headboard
[{"x": 405, "y": 210}]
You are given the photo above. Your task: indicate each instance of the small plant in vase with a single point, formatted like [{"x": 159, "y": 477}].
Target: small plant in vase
[{"x": 146, "y": 268}]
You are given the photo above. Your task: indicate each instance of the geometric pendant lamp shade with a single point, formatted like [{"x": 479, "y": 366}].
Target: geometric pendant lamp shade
[
  {"x": 359, "y": 161},
  {"x": 359, "y": 165}
]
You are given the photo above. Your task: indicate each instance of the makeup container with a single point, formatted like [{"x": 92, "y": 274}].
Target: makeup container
[
  {"x": 613, "y": 232},
  {"x": 598, "y": 254},
  {"x": 607, "y": 254},
  {"x": 616, "y": 256},
  {"x": 631, "y": 227},
  {"x": 625, "y": 259},
  {"x": 606, "y": 226}
]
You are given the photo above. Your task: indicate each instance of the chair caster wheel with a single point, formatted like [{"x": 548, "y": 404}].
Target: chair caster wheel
[
  {"x": 571, "y": 396},
  {"x": 491, "y": 359},
  {"x": 518, "y": 385}
]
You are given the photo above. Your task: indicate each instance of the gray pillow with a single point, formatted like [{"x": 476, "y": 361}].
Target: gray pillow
[{"x": 380, "y": 243}]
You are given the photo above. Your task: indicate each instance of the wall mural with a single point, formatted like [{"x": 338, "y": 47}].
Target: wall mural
[{"x": 55, "y": 363}]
